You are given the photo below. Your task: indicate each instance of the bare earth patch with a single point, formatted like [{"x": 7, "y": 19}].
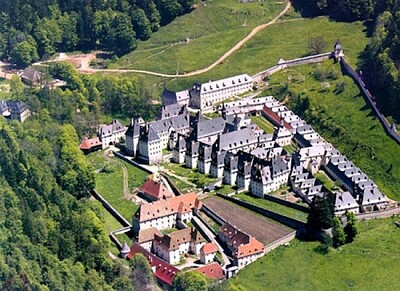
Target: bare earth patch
[{"x": 262, "y": 228}]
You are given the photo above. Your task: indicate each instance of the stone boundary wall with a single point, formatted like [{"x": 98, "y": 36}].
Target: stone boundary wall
[
  {"x": 347, "y": 69},
  {"x": 172, "y": 184},
  {"x": 282, "y": 64},
  {"x": 199, "y": 228},
  {"x": 132, "y": 162},
  {"x": 288, "y": 221},
  {"x": 206, "y": 224},
  {"x": 213, "y": 215},
  {"x": 115, "y": 240},
  {"x": 110, "y": 208},
  {"x": 287, "y": 203},
  {"x": 270, "y": 247}
]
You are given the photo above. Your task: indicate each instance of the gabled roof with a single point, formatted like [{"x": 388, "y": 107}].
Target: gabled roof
[
  {"x": 209, "y": 248},
  {"x": 31, "y": 75},
  {"x": 225, "y": 83},
  {"x": 344, "y": 201},
  {"x": 87, "y": 144},
  {"x": 210, "y": 127},
  {"x": 212, "y": 270},
  {"x": 166, "y": 207},
  {"x": 112, "y": 128},
  {"x": 372, "y": 195},
  {"x": 253, "y": 247},
  {"x": 156, "y": 189},
  {"x": 173, "y": 240},
  {"x": 147, "y": 234},
  {"x": 162, "y": 270},
  {"x": 236, "y": 139}
]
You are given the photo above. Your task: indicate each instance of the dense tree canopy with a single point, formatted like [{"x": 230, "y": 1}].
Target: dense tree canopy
[
  {"x": 49, "y": 239},
  {"x": 39, "y": 28}
]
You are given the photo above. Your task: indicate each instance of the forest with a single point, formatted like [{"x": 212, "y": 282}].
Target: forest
[
  {"x": 381, "y": 58},
  {"x": 36, "y": 29}
]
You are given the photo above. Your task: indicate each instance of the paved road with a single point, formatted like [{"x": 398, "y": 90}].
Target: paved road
[
  {"x": 380, "y": 214},
  {"x": 211, "y": 236}
]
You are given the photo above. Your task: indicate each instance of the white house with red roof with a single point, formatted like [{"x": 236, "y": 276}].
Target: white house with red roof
[
  {"x": 164, "y": 272},
  {"x": 212, "y": 271},
  {"x": 244, "y": 248},
  {"x": 172, "y": 246},
  {"x": 164, "y": 213},
  {"x": 208, "y": 252},
  {"x": 248, "y": 253},
  {"x": 155, "y": 190}
]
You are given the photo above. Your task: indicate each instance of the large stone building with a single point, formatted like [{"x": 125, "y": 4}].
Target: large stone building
[
  {"x": 111, "y": 133},
  {"x": 164, "y": 213},
  {"x": 171, "y": 247},
  {"x": 204, "y": 96}
]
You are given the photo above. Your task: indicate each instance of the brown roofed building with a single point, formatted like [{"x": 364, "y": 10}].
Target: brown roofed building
[
  {"x": 172, "y": 246},
  {"x": 153, "y": 190},
  {"x": 244, "y": 248},
  {"x": 164, "y": 272},
  {"x": 163, "y": 213},
  {"x": 212, "y": 271},
  {"x": 146, "y": 236}
]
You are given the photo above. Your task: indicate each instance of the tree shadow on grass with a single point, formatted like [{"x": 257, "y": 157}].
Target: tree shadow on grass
[{"x": 322, "y": 249}]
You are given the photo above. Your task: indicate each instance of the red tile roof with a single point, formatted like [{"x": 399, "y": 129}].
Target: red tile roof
[
  {"x": 212, "y": 270},
  {"x": 156, "y": 190},
  {"x": 87, "y": 144},
  {"x": 147, "y": 234},
  {"x": 162, "y": 270},
  {"x": 251, "y": 248},
  {"x": 173, "y": 240},
  {"x": 209, "y": 248},
  {"x": 167, "y": 207}
]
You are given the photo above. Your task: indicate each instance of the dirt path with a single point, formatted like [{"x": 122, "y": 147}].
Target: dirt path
[{"x": 86, "y": 69}]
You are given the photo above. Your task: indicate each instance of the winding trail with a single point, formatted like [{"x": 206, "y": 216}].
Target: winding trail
[{"x": 238, "y": 45}]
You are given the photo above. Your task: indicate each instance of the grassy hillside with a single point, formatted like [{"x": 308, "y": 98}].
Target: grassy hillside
[
  {"x": 346, "y": 121},
  {"x": 211, "y": 29},
  {"x": 371, "y": 262}
]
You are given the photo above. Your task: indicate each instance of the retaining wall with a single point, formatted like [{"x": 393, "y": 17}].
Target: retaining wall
[
  {"x": 279, "y": 242},
  {"x": 110, "y": 208},
  {"x": 132, "y": 162},
  {"x": 347, "y": 69},
  {"x": 287, "y": 203},
  {"x": 291, "y": 222},
  {"x": 290, "y": 63},
  {"x": 213, "y": 215},
  {"x": 172, "y": 184}
]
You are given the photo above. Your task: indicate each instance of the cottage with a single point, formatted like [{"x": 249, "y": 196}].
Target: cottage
[
  {"x": 90, "y": 145},
  {"x": 207, "y": 253}
]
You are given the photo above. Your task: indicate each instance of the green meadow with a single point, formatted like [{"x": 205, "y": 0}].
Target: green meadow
[{"x": 371, "y": 262}]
